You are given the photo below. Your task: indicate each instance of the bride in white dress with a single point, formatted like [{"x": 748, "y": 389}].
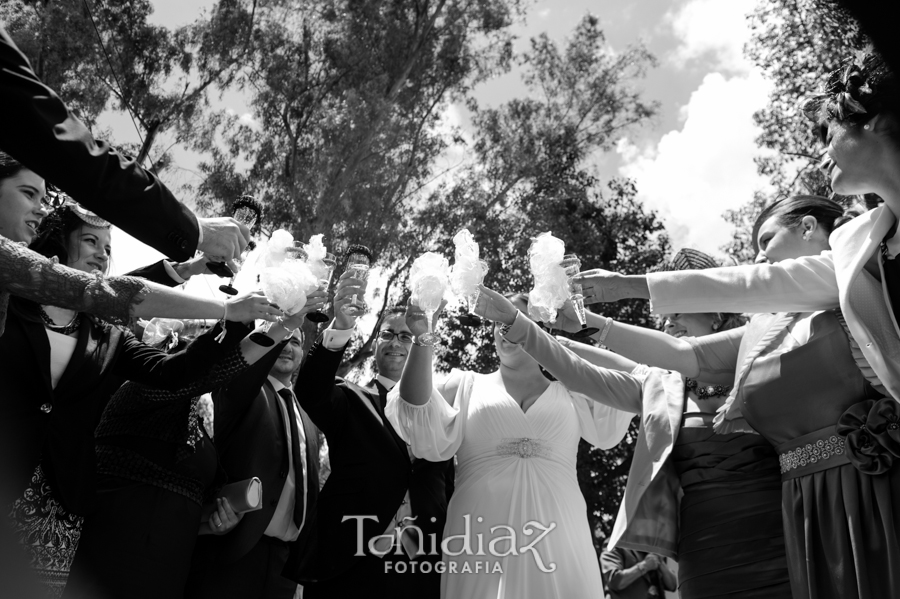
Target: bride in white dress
[{"x": 517, "y": 523}]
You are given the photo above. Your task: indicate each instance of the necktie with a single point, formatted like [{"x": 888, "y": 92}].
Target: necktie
[{"x": 287, "y": 396}]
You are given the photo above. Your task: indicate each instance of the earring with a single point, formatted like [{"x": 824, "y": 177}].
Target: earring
[
  {"x": 806, "y": 236},
  {"x": 867, "y": 126}
]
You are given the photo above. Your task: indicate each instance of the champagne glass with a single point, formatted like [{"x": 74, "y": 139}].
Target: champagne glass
[
  {"x": 429, "y": 279},
  {"x": 359, "y": 259},
  {"x": 247, "y": 211},
  {"x": 330, "y": 263},
  {"x": 572, "y": 265},
  {"x": 428, "y": 293}
]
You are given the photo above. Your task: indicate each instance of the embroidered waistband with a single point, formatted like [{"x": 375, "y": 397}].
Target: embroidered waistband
[
  {"x": 813, "y": 452},
  {"x": 524, "y": 448}
]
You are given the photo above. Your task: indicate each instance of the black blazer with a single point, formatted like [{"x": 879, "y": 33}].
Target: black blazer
[
  {"x": 250, "y": 438},
  {"x": 370, "y": 466},
  {"x": 55, "y": 427},
  {"x": 39, "y": 131},
  {"x": 430, "y": 487}
]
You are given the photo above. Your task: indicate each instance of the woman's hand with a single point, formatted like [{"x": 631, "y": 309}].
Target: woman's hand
[
  {"x": 250, "y": 306},
  {"x": 600, "y": 285},
  {"x": 417, "y": 321},
  {"x": 495, "y": 307},
  {"x": 223, "y": 519},
  {"x": 347, "y": 288},
  {"x": 566, "y": 318}
]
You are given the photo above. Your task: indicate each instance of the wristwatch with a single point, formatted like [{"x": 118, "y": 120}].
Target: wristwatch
[{"x": 426, "y": 343}]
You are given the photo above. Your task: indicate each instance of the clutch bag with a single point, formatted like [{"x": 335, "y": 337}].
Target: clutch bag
[{"x": 243, "y": 495}]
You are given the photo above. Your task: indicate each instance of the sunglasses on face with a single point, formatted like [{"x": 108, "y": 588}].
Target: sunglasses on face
[{"x": 389, "y": 336}]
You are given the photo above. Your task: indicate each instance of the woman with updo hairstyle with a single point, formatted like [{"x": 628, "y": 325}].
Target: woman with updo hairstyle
[{"x": 802, "y": 381}]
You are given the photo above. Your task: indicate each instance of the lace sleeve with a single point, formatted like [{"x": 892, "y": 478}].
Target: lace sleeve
[
  {"x": 221, "y": 373},
  {"x": 29, "y": 275}
]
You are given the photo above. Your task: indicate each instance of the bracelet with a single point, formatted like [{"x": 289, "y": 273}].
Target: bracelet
[
  {"x": 504, "y": 328},
  {"x": 280, "y": 322},
  {"x": 606, "y": 328},
  {"x": 416, "y": 341}
]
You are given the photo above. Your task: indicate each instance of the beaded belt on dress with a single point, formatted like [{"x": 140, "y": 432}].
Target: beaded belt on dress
[
  {"x": 813, "y": 452},
  {"x": 523, "y": 447}
]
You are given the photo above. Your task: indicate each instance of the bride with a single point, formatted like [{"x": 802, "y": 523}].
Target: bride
[{"x": 517, "y": 523}]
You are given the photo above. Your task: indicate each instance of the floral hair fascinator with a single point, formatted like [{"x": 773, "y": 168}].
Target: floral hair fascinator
[
  {"x": 851, "y": 92},
  {"x": 58, "y": 199}
]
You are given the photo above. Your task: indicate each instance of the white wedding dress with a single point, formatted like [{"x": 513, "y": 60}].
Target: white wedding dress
[{"x": 516, "y": 475}]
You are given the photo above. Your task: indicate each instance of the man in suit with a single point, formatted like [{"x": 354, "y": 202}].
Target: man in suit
[
  {"x": 39, "y": 131},
  {"x": 636, "y": 574},
  {"x": 375, "y": 488},
  {"x": 261, "y": 431}
]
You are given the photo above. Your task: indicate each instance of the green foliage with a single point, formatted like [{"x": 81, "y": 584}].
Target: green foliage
[
  {"x": 796, "y": 43},
  {"x": 95, "y": 50}
]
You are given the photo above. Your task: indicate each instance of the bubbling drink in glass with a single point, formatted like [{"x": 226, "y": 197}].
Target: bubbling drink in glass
[
  {"x": 359, "y": 259},
  {"x": 572, "y": 265},
  {"x": 429, "y": 279}
]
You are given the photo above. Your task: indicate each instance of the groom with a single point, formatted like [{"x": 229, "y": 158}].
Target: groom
[{"x": 375, "y": 485}]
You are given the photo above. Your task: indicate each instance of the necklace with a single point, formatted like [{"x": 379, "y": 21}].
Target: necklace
[
  {"x": 64, "y": 329},
  {"x": 706, "y": 391}
]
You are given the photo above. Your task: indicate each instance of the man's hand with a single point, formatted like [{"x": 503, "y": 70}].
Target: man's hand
[
  {"x": 223, "y": 238},
  {"x": 347, "y": 288},
  {"x": 600, "y": 285}
]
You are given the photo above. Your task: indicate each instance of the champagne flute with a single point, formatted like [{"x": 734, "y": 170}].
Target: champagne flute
[
  {"x": 572, "y": 265},
  {"x": 359, "y": 259},
  {"x": 247, "y": 211},
  {"x": 330, "y": 263},
  {"x": 428, "y": 293}
]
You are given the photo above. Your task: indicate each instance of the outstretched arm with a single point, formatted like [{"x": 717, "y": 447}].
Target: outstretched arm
[
  {"x": 644, "y": 346},
  {"x": 27, "y": 274},
  {"x": 613, "y": 388},
  {"x": 806, "y": 284}
]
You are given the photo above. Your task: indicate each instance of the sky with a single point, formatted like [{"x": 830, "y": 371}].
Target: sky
[{"x": 694, "y": 161}]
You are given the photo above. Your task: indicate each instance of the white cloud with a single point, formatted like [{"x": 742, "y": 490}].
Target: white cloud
[
  {"x": 694, "y": 174},
  {"x": 712, "y": 28}
]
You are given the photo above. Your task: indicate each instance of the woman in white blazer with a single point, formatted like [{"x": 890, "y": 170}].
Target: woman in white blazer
[{"x": 801, "y": 384}]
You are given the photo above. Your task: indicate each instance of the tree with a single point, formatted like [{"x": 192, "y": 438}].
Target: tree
[
  {"x": 96, "y": 50},
  {"x": 796, "y": 43},
  {"x": 530, "y": 175}
]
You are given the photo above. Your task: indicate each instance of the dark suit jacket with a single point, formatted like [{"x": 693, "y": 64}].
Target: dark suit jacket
[
  {"x": 430, "y": 486},
  {"x": 39, "y": 131},
  {"x": 251, "y": 441},
  {"x": 55, "y": 427},
  {"x": 370, "y": 468}
]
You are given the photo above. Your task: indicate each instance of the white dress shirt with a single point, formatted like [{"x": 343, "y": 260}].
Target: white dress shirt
[{"x": 282, "y": 525}]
